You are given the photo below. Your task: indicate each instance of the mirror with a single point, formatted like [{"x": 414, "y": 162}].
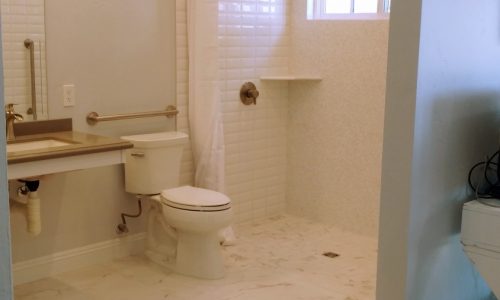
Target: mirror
[
  {"x": 24, "y": 20},
  {"x": 117, "y": 55}
]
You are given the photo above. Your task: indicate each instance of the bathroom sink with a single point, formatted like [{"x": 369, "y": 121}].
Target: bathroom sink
[
  {"x": 42, "y": 144},
  {"x": 42, "y": 153}
]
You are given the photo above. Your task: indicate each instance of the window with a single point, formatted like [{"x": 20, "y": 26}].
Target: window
[{"x": 348, "y": 9}]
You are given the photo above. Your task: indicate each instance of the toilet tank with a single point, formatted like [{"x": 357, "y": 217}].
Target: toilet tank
[{"x": 154, "y": 163}]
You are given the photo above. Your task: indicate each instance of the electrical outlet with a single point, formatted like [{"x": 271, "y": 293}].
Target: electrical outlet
[{"x": 69, "y": 95}]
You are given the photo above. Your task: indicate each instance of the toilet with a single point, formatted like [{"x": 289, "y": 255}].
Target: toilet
[
  {"x": 184, "y": 221},
  {"x": 481, "y": 241}
]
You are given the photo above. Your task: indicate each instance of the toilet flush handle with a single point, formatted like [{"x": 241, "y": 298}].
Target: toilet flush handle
[{"x": 138, "y": 154}]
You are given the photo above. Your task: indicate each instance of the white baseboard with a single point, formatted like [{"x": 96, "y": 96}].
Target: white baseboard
[{"x": 50, "y": 265}]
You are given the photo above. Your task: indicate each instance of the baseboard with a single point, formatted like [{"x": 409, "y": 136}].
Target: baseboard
[{"x": 68, "y": 260}]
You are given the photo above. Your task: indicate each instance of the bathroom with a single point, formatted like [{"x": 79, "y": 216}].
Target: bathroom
[{"x": 304, "y": 167}]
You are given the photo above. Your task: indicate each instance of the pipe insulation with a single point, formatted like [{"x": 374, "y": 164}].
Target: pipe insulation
[
  {"x": 33, "y": 217},
  {"x": 27, "y": 202}
]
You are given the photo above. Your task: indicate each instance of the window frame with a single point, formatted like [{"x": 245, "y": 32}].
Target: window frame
[{"x": 316, "y": 9}]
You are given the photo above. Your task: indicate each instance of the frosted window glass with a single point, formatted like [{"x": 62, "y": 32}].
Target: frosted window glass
[
  {"x": 338, "y": 6},
  {"x": 365, "y": 6},
  {"x": 347, "y": 9}
]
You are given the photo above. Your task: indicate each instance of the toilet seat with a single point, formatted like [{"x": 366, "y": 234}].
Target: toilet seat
[{"x": 195, "y": 199}]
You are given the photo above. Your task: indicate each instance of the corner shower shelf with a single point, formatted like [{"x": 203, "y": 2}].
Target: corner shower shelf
[{"x": 291, "y": 78}]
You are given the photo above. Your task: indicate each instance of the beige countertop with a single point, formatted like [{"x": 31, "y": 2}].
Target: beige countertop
[{"x": 80, "y": 143}]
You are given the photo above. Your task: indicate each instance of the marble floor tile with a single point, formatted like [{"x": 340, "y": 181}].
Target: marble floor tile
[{"x": 276, "y": 258}]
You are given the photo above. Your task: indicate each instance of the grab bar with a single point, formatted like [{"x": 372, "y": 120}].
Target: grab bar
[
  {"x": 28, "y": 43},
  {"x": 93, "y": 117}
]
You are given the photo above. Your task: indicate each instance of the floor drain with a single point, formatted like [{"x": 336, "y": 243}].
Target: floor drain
[{"x": 331, "y": 254}]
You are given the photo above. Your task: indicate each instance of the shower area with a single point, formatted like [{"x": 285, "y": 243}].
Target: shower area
[
  {"x": 302, "y": 165},
  {"x": 311, "y": 146}
]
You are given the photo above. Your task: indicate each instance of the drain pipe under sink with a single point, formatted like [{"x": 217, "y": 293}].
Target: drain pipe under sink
[{"x": 31, "y": 205}]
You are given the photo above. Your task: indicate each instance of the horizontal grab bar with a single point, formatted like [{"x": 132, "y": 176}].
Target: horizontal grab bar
[{"x": 93, "y": 117}]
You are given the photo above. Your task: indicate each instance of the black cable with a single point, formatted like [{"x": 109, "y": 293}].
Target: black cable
[
  {"x": 472, "y": 170},
  {"x": 470, "y": 174},
  {"x": 490, "y": 191},
  {"x": 132, "y": 215},
  {"x": 492, "y": 188},
  {"x": 488, "y": 162}
]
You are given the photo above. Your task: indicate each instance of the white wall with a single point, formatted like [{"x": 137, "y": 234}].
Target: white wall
[
  {"x": 442, "y": 117},
  {"x": 119, "y": 54},
  {"x": 335, "y": 126},
  {"x": 398, "y": 149},
  {"x": 5, "y": 252},
  {"x": 121, "y": 57},
  {"x": 21, "y": 20}
]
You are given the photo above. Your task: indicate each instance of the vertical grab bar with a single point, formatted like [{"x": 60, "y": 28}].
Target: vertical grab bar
[{"x": 28, "y": 43}]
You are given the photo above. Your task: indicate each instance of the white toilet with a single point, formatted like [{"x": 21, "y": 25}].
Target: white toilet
[
  {"x": 481, "y": 241},
  {"x": 184, "y": 222}
]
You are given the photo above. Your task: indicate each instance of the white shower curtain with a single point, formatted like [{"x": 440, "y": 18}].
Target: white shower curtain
[{"x": 205, "y": 119}]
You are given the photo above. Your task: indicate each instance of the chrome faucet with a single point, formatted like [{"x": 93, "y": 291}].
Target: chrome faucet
[{"x": 10, "y": 117}]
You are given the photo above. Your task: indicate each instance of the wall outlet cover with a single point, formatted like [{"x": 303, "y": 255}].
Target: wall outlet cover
[{"x": 69, "y": 98}]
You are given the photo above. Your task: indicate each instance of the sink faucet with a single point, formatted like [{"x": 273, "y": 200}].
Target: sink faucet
[{"x": 10, "y": 117}]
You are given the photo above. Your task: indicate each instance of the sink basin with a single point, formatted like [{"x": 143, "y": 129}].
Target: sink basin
[
  {"x": 42, "y": 144},
  {"x": 51, "y": 146}
]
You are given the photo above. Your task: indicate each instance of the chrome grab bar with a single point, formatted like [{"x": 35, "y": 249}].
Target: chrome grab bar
[
  {"x": 28, "y": 43},
  {"x": 93, "y": 117}
]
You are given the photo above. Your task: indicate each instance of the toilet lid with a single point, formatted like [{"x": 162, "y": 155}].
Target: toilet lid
[{"x": 198, "y": 199}]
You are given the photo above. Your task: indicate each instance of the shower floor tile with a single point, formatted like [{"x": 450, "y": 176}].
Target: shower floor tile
[{"x": 276, "y": 258}]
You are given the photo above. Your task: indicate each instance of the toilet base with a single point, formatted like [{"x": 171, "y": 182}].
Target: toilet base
[{"x": 199, "y": 255}]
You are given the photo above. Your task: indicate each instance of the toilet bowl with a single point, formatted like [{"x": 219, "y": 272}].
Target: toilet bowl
[
  {"x": 481, "y": 242},
  {"x": 198, "y": 215},
  {"x": 184, "y": 222}
]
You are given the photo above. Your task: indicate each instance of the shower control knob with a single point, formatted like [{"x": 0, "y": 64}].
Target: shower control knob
[
  {"x": 253, "y": 94},
  {"x": 249, "y": 93}
]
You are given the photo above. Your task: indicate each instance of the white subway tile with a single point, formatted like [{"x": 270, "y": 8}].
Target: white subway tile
[{"x": 253, "y": 40}]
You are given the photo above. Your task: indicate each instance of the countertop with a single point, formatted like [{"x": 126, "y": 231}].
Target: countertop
[{"x": 81, "y": 143}]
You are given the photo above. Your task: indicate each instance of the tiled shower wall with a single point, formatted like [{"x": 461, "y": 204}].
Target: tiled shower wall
[
  {"x": 23, "y": 19},
  {"x": 254, "y": 39},
  {"x": 187, "y": 166},
  {"x": 335, "y": 128}
]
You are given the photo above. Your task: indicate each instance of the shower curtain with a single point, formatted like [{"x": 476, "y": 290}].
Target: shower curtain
[{"x": 205, "y": 119}]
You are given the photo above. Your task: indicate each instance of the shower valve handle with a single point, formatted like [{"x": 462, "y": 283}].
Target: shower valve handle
[{"x": 249, "y": 93}]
